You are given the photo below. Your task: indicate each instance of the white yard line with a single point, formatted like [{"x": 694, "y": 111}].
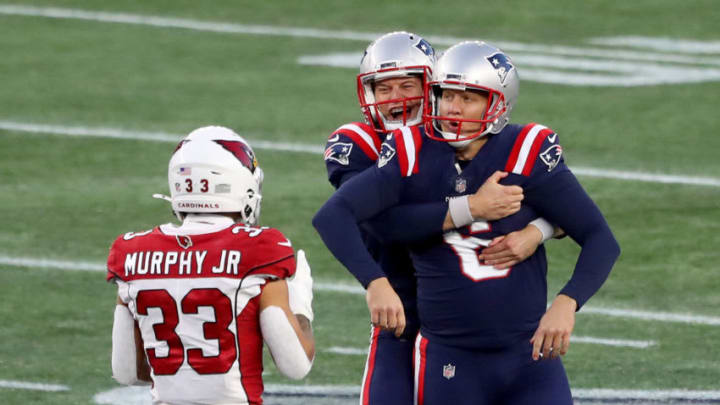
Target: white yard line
[
  {"x": 669, "y": 46},
  {"x": 183, "y": 23},
  {"x": 116, "y": 133},
  {"x": 355, "y": 289},
  {"x": 651, "y": 395},
  {"x": 635, "y": 344},
  {"x": 347, "y": 351},
  {"x": 654, "y": 316},
  {"x": 24, "y": 385}
]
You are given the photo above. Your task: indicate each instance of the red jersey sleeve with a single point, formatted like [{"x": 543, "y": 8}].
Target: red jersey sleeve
[{"x": 269, "y": 252}]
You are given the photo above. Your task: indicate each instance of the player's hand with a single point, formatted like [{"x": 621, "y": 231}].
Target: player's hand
[
  {"x": 552, "y": 337},
  {"x": 386, "y": 309},
  {"x": 493, "y": 200},
  {"x": 300, "y": 293},
  {"x": 508, "y": 250}
]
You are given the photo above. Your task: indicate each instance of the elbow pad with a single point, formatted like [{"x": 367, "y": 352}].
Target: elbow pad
[
  {"x": 124, "y": 368},
  {"x": 284, "y": 344}
]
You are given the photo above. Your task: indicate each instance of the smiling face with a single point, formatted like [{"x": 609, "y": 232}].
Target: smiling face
[
  {"x": 463, "y": 105},
  {"x": 399, "y": 98}
]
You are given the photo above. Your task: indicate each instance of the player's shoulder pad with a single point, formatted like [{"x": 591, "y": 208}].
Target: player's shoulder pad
[
  {"x": 124, "y": 243},
  {"x": 534, "y": 142},
  {"x": 266, "y": 250},
  {"x": 407, "y": 143},
  {"x": 341, "y": 142}
]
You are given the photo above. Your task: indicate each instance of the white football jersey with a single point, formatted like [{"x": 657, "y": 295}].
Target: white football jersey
[{"x": 196, "y": 300}]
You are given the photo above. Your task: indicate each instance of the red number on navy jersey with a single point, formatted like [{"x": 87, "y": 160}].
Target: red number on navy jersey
[
  {"x": 205, "y": 186},
  {"x": 188, "y": 184},
  {"x": 217, "y": 330}
]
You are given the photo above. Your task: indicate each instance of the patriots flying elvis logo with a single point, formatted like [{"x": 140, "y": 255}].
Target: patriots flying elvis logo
[
  {"x": 502, "y": 65},
  {"x": 425, "y": 47},
  {"x": 551, "y": 156},
  {"x": 339, "y": 152},
  {"x": 386, "y": 154}
]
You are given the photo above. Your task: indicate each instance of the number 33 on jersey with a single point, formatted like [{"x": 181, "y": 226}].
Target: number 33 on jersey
[{"x": 195, "y": 299}]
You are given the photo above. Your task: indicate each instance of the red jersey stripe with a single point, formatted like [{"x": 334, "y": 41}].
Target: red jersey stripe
[
  {"x": 363, "y": 136},
  {"x": 535, "y": 150},
  {"x": 369, "y": 366},
  {"x": 401, "y": 152},
  {"x": 515, "y": 153}
]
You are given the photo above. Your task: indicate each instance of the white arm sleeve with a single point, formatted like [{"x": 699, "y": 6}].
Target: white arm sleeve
[
  {"x": 284, "y": 344},
  {"x": 545, "y": 228},
  {"x": 124, "y": 368}
]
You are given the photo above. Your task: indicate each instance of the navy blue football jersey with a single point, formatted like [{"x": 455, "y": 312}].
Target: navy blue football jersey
[
  {"x": 351, "y": 149},
  {"x": 461, "y": 301}
]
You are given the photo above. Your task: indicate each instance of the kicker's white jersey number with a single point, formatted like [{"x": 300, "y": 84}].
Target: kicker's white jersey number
[{"x": 467, "y": 249}]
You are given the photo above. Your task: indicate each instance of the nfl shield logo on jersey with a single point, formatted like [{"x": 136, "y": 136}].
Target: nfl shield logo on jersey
[
  {"x": 551, "y": 156},
  {"x": 460, "y": 185},
  {"x": 449, "y": 371},
  {"x": 339, "y": 152}
]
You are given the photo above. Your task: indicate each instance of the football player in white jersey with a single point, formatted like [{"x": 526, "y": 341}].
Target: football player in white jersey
[
  {"x": 390, "y": 89},
  {"x": 196, "y": 301}
]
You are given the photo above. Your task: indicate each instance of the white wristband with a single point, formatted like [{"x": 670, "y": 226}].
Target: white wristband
[
  {"x": 460, "y": 211},
  {"x": 545, "y": 228}
]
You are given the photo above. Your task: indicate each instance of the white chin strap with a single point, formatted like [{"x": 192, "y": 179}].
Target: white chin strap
[
  {"x": 391, "y": 125},
  {"x": 453, "y": 135}
]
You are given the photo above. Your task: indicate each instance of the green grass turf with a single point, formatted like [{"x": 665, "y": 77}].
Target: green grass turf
[{"x": 67, "y": 198}]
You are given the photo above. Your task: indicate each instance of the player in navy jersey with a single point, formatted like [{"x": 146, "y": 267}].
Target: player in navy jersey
[
  {"x": 483, "y": 330},
  {"x": 393, "y": 72},
  {"x": 196, "y": 301}
]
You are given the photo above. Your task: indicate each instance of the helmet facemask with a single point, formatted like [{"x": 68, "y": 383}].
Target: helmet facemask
[
  {"x": 394, "y": 55},
  {"x": 371, "y": 108},
  {"x": 472, "y": 66},
  {"x": 493, "y": 116}
]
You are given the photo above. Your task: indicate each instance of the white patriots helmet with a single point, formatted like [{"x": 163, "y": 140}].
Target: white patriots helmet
[
  {"x": 473, "y": 65},
  {"x": 214, "y": 170},
  {"x": 396, "y": 54}
]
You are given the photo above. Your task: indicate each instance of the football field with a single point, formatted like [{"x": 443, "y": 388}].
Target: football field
[{"x": 95, "y": 95}]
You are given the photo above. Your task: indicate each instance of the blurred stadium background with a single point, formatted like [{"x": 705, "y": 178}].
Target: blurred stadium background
[{"x": 94, "y": 95}]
